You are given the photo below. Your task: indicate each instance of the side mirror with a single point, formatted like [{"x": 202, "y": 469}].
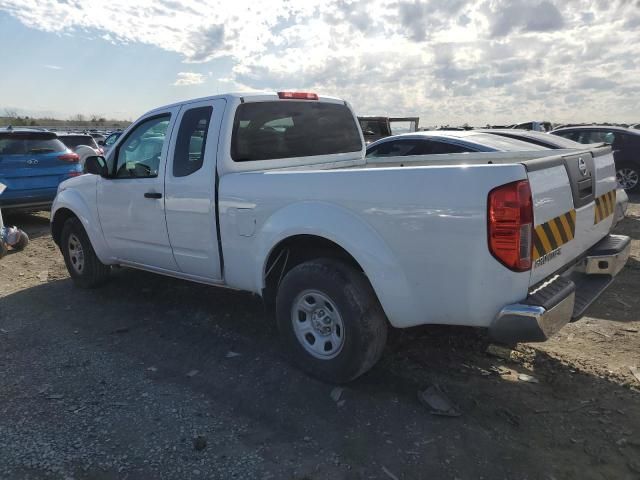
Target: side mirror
[
  {"x": 96, "y": 165},
  {"x": 101, "y": 143}
]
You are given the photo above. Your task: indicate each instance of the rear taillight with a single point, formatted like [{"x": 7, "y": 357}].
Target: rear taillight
[
  {"x": 510, "y": 225},
  {"x": 297, "y": 96},
  {"x": 69, "y": 157}
]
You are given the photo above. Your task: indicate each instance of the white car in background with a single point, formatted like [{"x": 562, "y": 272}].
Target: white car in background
[{"x": 84, "y": 145}]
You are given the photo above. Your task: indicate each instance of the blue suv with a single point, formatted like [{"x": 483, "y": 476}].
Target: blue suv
[{"x": 32, "y": 165}]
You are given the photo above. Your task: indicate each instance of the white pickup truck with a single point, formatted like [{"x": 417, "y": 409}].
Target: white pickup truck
[{"x": 271, "y": 193}]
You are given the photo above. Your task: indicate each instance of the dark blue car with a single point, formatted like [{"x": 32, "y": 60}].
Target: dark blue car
[{"x": 32, "y": 165}]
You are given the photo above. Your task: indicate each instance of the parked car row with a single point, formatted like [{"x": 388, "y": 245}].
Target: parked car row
[
  {"x": 624, "y": 141},
  {"x": 626, "y": 149}
]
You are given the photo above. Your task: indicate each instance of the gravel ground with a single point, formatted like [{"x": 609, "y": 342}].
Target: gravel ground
[{"x": 150, "y": 377}]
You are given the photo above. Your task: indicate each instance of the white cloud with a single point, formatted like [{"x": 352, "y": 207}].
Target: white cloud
[
  {"x": 189, "y": 78},
  {"x": 52, "y": 67},
  {"x": 476, "y": 61}
]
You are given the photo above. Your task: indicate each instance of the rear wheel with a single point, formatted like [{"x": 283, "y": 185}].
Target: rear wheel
[
  {"x": 84, "y": 267},
  {"x": 330, "y": 320},
  {"x": 628, "y": 177}
]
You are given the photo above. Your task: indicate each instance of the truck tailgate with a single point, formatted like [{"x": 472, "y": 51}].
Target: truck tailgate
[{"x": 574, "y": 199}]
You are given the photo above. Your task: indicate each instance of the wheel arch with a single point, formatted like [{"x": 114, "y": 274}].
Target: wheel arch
[
  {"x": 336, "y": 233},
  {"x": 69, "y": 204},
  {"x": 57, "y": 223}
]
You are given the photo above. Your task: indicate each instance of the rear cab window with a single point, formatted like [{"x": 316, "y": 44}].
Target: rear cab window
[
  {"x": 289, "y": 129},
  {"x": 23, "y": 143}
]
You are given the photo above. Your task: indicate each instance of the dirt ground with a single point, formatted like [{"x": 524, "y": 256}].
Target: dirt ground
[{"x": 150, "y": 377}]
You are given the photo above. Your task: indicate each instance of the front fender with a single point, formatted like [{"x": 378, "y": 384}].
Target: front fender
[
  {"x": 75, "y": 200},
  {"x": 352, "y": 233}
]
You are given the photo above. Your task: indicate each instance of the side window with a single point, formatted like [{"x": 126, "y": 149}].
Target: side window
[
  {"x": 111, "y": 139},
  {"x": 434, "y": 147},
  {"x": 139, "y": 154},
  {"x": 575, "y": 136},
  {"x": 442, "y": 147},
  {"x": 396, "y": 148},
  {"x": 192, "y": 138},
  {"x": 597, "y": 136}
]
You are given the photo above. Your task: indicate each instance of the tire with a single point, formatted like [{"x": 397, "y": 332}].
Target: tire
[
  {"x": 325, "y": 288},
  {"x": 628, "y": 176},
  {"x": 22, "y": 242},
  {"x": 84, "y": 267}
]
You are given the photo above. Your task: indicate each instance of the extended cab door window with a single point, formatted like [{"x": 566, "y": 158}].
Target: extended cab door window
[
  {"x": 191, "y": 141},
  {"x": 139, "y": 155}
]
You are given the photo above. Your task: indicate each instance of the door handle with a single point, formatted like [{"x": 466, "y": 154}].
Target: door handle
[{"x": 152, "y": 195}]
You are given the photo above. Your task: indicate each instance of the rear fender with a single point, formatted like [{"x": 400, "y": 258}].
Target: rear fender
[{"x": 350, "y": 232}]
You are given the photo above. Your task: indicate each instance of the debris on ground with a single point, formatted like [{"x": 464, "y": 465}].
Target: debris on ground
[
  {"x": 200, "y": 443},
  {"x": 621, "y": 302},
  {"x": 192, "y": 373},
  {"x": 388, "y": 473},
  {"x": 121, "y": 330},
  {"x": 437, "y": 402},
  {"x": 635, "y": 372},
  {"x": 509, "y": 416},
  {"x": 232, "y": 354},
  {"x": 499, "y": 351},
  {"x": 505, "y": 353},
  {"x": 523, "y": 377},
  {"x": 152, "y": 369},
  {"x": 336, "y": 393},
  {"x": 43, "y": 276},
  {"x": 600, "y": 333},
  {"x": 500, "y": 370}
]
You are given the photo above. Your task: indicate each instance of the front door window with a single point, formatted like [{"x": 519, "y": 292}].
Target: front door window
[{"x": 139, "y": 155}]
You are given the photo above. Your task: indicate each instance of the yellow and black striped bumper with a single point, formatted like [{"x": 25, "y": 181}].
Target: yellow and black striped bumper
[
  {"x": 605, "y": 206},
  {"x": 553, "y": 234}
]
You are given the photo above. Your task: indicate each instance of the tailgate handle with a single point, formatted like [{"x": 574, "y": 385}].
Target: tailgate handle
[{"x": 152, "y": 195}]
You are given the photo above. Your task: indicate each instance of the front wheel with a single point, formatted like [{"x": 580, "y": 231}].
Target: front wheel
[
  {"x": 628, "y": 177},
  {"x": 330, "y": 320},
  {"x": 84, "y": 267}
]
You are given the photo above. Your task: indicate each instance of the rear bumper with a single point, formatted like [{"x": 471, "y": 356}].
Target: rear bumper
[{"x": 564, "y": 298}]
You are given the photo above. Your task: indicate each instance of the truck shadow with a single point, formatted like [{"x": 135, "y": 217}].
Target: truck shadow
[
  {"x": 629, "y": 226},
  {"x": 160, "y": 329},
  {"x": 620, "y": 303}
]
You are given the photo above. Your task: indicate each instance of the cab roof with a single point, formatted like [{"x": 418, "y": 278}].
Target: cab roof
[{"x": 246, "y": 96}]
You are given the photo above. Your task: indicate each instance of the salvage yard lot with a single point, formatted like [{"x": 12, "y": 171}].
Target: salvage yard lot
[{"x": 151, "y": 377}]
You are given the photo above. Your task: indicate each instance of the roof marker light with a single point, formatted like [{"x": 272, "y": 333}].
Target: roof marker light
[{"x": 297, "y": 96}]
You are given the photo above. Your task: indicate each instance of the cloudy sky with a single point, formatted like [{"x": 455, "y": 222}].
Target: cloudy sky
[{"x": 448, "y": 61}]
